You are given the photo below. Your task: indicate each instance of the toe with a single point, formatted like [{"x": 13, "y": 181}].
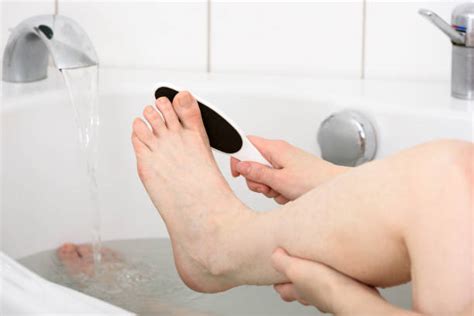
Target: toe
[
  {"x": 143, "y": 133},
  {"x": 68, "y": 252},
  {"x": 84, "y": 250},
  {"x": 154, "y": 119},
  {"x": 169, "y": 115},
  {"x": 139, "y": 147},
  {"x": 188, "y": 111}
]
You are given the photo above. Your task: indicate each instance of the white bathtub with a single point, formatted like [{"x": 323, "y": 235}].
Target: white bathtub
[{"x": 44, "y": 194}]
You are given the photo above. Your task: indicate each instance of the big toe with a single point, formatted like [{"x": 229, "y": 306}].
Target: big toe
[
  {"x": 67, "y": 250},
  {"x": 188, "y": 112}
]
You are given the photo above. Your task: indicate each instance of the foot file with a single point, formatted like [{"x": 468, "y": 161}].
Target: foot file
[{"x": 224, "y": 135}]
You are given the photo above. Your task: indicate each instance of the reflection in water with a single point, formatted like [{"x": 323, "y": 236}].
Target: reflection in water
[{"x": 140, "y": 276}]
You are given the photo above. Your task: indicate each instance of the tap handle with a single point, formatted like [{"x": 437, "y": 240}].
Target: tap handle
[{"x": 456, "y": 37}]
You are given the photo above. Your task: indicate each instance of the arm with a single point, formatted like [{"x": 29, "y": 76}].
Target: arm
[{"x": 313, "y": 283}]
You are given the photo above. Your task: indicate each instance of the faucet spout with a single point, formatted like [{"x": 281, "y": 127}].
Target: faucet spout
[
  {"x": 456, "y": 37},
  {"x": 30, "y": 44}
]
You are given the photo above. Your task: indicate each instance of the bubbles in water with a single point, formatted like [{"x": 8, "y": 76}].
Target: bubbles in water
[
  {"x": 136, "y": 275},
  {"x": 140, "y": 276}
]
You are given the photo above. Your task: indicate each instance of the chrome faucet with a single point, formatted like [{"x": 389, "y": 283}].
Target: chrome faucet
[
  {"x": 26, "y": 54},
  {"x": 461, "y": 33}
]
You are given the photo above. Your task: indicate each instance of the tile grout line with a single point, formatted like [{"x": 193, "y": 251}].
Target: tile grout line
[
  {"x": 208, "y": 52},
  {"x": 56, "y": 7},
  {"x": 364, "y": 35}
]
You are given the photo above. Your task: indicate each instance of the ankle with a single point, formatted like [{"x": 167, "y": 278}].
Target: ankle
[{"x": 225, "y": 254}]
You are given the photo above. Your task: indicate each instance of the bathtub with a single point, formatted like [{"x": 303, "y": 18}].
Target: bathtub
[{"x": 44, "y": 192}]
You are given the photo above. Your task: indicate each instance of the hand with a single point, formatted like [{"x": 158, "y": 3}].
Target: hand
[
  {"x": 294, "y": 171},
  {"x": 330, "y": 291}
]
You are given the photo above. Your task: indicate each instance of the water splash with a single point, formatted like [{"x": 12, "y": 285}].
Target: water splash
[
  {"x": 140, "y": 276},
  {"x": 137, "y": 275},
  {"x": 82, "y": 84}
]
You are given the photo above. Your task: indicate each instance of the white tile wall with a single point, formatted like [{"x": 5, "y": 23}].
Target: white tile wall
[
  {"x": 170, "y": 34},
  {"x": 403, "y": 44},
  {"x": 322, "y": 38}
]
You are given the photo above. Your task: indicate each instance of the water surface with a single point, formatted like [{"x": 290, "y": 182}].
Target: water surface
[{"x": 144, "y": 280}]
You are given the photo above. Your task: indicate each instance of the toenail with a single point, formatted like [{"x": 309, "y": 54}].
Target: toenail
[
  {"x": 162, "y": 100},
  {"x": 184, "y": 102},
  {"x": 243, "y": 168},
  {"x": 149, "y": 109}
]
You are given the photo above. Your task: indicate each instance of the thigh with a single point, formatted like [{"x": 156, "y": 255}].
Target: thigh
[{"x": 440, "y": 237}]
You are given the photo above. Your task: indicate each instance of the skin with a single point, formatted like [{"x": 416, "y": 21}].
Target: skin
[
  {"x": 316, "y": 284},
  {"x": 406, "y": 217},
  {"x": 78, "y": 259},
  {"x": 294, "y": 171}
]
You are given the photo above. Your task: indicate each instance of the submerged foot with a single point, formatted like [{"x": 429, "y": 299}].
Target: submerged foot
[
  {"x": 79, "y": 259},
  {"x": 178, "y": 170}
]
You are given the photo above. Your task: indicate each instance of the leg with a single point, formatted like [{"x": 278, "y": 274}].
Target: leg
[
  {"x": 226, "y": 237},
  {"x": 218, "y": 243},
  {"x": 383, "y": 223}
]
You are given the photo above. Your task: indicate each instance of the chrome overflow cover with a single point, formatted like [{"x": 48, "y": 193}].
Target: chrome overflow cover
[{"x": 347, "y": 138}]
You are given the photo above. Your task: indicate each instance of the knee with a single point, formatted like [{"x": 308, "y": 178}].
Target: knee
[
  {"x": 455, "y": 158},
  {"x": 450, "y": 167}
]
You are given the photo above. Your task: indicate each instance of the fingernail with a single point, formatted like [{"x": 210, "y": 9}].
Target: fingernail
[{"x": 243, "y": 168}]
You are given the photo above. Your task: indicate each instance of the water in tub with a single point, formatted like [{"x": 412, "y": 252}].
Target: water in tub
[{"x": 140, "y": 276}]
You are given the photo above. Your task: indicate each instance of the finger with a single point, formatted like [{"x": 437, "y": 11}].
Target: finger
[
  {"x": 287, "y": 292},
  {"x": 233, "y": 166},
  {"x": 262, "y": 188},
  {"x": 321, "y": 286},
  {"x": 258, "y": 187},
  {"x": 272, "y": 194},
  {"x": 280, "y": 199},
  {"x": 281, "y": 261},
  {"x": 275, "y": 151},
  {"x": 300, "y": 271},
  {"x": 305, "y": 303},
  {"x": 259, "y": 173}
]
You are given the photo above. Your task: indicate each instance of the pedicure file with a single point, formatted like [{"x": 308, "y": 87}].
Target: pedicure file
[{"x": 224, "y": 135}]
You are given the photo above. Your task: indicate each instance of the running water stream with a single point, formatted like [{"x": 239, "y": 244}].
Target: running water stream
[{"x": 82, "y": 84}]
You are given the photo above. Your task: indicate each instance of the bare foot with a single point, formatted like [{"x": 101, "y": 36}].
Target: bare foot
[
  {"x": 178, "y": 170},
  {"x": 294, "y": 171},
  {"x": 79, "y": 259}
]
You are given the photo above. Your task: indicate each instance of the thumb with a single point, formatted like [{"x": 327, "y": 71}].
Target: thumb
[
  {"x": 274, "y": 151},
  {"x": 259, "y": 173},
  {"x": 328, "y": 289},
  {"x": 281, "y": 261}
]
